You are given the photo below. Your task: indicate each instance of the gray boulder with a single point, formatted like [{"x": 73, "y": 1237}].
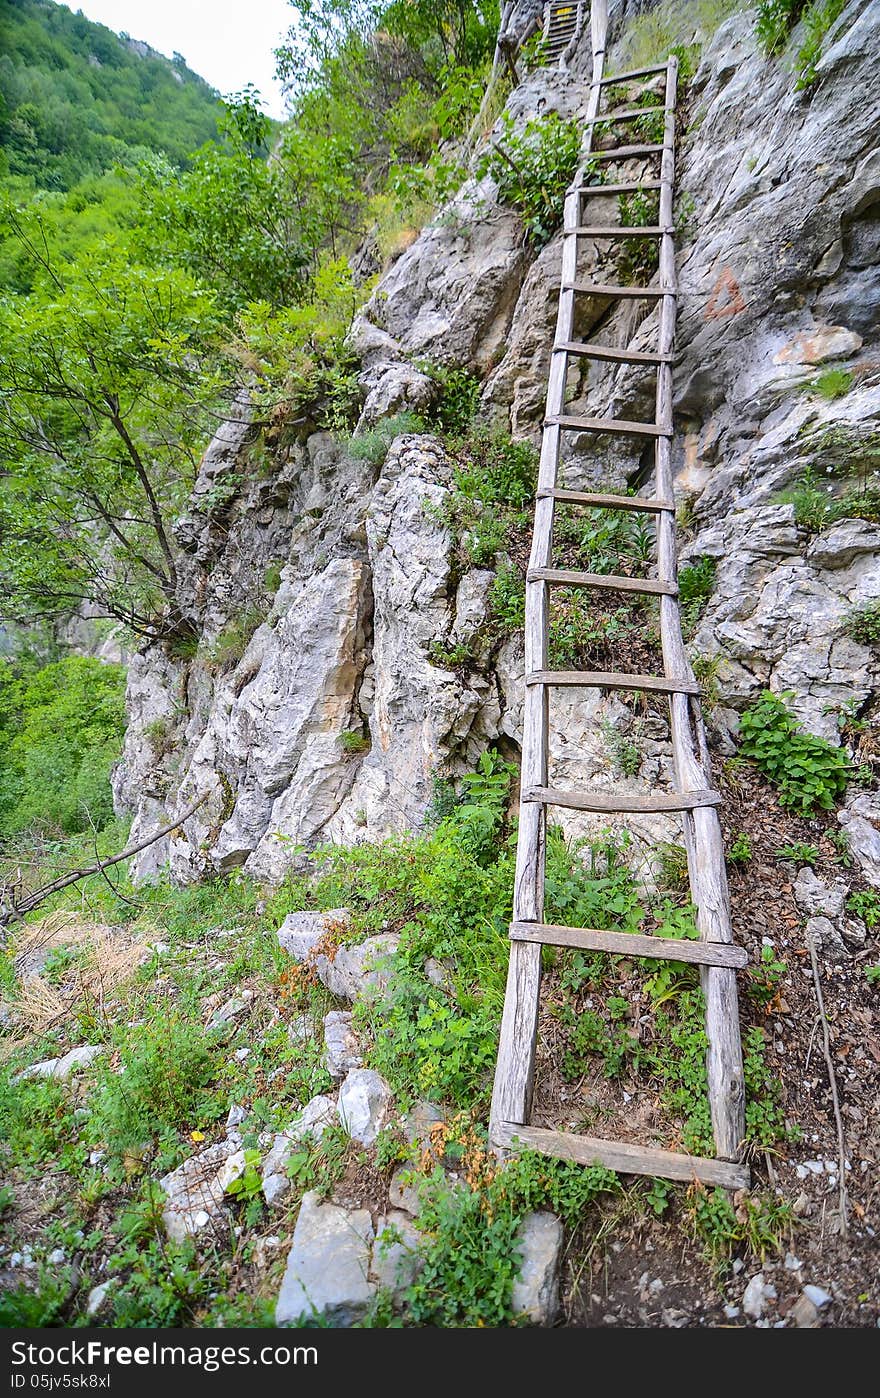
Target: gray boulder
[
  {"x": 364, "y": 1099},
  {"x": 536, "y": 1288},
  {"x": 327, "y": 1276}
]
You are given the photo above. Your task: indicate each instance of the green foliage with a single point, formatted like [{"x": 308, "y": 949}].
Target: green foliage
[
  {"x": 872, "y": 974},
  {"x": 458, "y": 395},
  {"x": 625, "y": 754},
  {"x": 638, "y": 258},
  {"x": 36, "y": 1122},
  {"x": 507, "y": 600},
  {"x": 765, "y": 1119},
  {"x": 809, "y": 772},
  {"x": 865, "y": 903},
  {"x": 777, "y": 18},
  {"x": 740, "y": 851},
  {"x": 534, "y": 167},
  {"x": 766, "y": 978},
  {"x": 863, "y": 624},
  {"x": 249, "y": 1184},
  {"x": 22, "y": 1307},
  {"x": 230, "y": 644},
  {"x": 833, "y": 383},
  {"x": 757, "y": 1223},
  {"x": 373, "y": 444},
  {"x": 61, "y": 729},
  {"x": 671, "y": 27},
  {"x": 471, "y": 1254},
  {"x": 163, "y": 1283},
  {"x": 77, "y": 100},
  {"x": 695, "y": 584},
  {"x": 169, "y": 1067},
  {"x": 775, "y": 21},
  {"x": 354, "y": 741},
  {"x": 799, "y": 853},
  {"x": 494, "y": 480}
]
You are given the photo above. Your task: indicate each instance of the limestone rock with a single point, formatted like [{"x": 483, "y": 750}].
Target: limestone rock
[
  {"x": 70, "y": 1062},
  {"x": 312, "y": 1122},
  {"x": 757, "y": 1295},
  {"x": 342, "y": 1050},
  {"x": 98, "y": 1298},
  {"x": 396, "y": 1259},
  {"x": 327, "y": 1276},
  {"x": 822, "y": 932},
  {"x": 403, "y": 1190},
  {"x": 356, "y": 971},
  {"x": 363, "y": 1104},
  {"x": 861, "y": 824},
  {"x": 536, "y": 1287},
  {"x": 300, "y": 933},
  {"x": 816, "y": 898},
  {"x": 194, "y": 1192}
]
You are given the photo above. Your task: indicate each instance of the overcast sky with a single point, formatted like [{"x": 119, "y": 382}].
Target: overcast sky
[{"x": 227, "y": 42}]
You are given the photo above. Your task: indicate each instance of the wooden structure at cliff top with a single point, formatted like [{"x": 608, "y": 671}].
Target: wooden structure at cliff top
[{"x": 694, "y": 798}]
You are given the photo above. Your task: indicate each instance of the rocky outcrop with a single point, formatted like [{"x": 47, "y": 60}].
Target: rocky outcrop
[{"x": 329, "y": 720}]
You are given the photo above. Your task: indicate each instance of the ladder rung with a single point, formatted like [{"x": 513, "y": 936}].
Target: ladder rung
[
  {"x": 609, "y": 805},
  {"x": 624, "y": 152},
  {"x": 601, "y": 679},
  {"x": 608, "y": 502},
  {"x": 620, "y": 1156},
  {"x": 608, "y": 424},
  {"x": 633, "y": 73},
  {"x": 608, "y": 352},
  {"x": 613, "y": 230},
  {"x": 610, "y": 582},
  {"x": 636, "y": 188},
  {"x": 631, "y": 114},
  {"x": 632, "y": 944},
  {"x": 604, "y": 289}
]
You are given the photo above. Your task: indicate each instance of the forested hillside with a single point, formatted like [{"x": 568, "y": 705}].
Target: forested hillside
[{"x": 77, "y": 99}]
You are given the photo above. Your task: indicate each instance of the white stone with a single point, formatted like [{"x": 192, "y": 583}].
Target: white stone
[
  {"x": 327, "y": 1274},
  {"x": 300, "y": 933},
  {"x": 363, "y": 1104},
  {"x": 536, "y": 1287},
  {"x": 62, "y": 1067},
  {"x": 819, "y": 1297},
  {"x": 195, "y": 1191},
  {"x": 97, "y": 1297},
  {"x": 757, "y": 1294},
  {"x": 312, "y": 1122},
  {"x": 342, "y": 1050},
  {"x": 396, "y": 1259}
]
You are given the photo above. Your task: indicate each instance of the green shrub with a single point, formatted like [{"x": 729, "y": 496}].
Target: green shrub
[
  {"x": 818, "y": 19},
  {"x": 833, "y": 383},
  {"x": 775, "y": 21},
  {"x": 695, "y": 584},
  {"x": 809, "y": 773},
  {"x": 507, "y": 600},
  {"x": 638, "y": 258},
  {"x": 458, "y": 397},
  {"x": 354, "y": 741},
  {"x": 740, "y": 851},
  {"x": 61, "y": 729},
  {"x": 232, "y": 642},
  {"x": 863, "y": 624},
  {"x": 534, "y": 167},
  {"x": 373, "y": 444},
  {"x": 168, "y": 1066}
]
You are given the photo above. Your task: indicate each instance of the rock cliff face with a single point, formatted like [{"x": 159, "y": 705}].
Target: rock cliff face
[{"x": 328, "y": 719}]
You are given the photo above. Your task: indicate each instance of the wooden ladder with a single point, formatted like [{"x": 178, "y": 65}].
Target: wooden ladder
[
  {"x": 563, "y": 22},
  {"x": 714, "y": 953}
]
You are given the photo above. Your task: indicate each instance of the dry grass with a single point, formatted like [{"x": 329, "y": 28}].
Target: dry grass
[{"x": 107, "y": 956}]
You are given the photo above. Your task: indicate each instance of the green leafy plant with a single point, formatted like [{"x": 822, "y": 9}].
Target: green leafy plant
[
  {"x": 695, "y": 584},
  {"x": 354, "y": 741},
  {"x": 832, "y": 383},
  {"x": 799, "y": 853},
  {"x": 507, "y": 600},
  {"x": 865, "y": 903},
  {"x": 533, "y": 169},
  {"x": 638, "y": 258},
  {"x": 373, "y": 444},
  {"x": 808, "y": 772},
  {"x": 740, "y": 851},
  {"x": 817, "y": 19},
  {"x": 766, "y": 978},
  {"x": 248, "y": 1186},
  {"x": 625, "y": 753},
  {"x": 862, "y": 624},
  {"x": 872, "y": 974},
  {"x": 458, "y": 395}
]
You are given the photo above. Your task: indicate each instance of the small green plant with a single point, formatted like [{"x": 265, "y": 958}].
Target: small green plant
[
  {"x": 775, "y": 21},
  {"x": 624, "y": 752},
  {"x": 833, "y": 383},
  {"x": 765, "y": 978},
  {"x": 865, "y": 904},
  {"x": 272, "y": 577},
  {"x": 862, "y": 624},
  {"x": 373, "y": 443},
  {"x": 169, "y": 1066},
  {"x": 808, "y": 772},
  {"x": 638, "y": 258},
  {"x": 758, "y": 1223},
  {"x": 818, "y": 19},
  {"x": 840, "y": 841},
  {"x": 695, "y": 584},
  {"x": 740, "y": 851},
  {"x": 672, "y": 873},
  {"x": 507, "y": 600},
  {"x": 872, "y": 974},
  {"x": 248, "y": 1186},
  {"x": 799, "y": 853},
  {"x": 230, "y": 645},
  {"x": 354, "y": 741},
  {"x": 533, "y": 168}
]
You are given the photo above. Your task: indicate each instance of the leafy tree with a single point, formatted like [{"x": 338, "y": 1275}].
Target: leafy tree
[{"x": 107, "y": 388}]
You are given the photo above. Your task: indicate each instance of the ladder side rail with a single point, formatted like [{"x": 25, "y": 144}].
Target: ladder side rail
[
  {"x": 702, "y": 828},
  {"x": 515, "y": 1066}
]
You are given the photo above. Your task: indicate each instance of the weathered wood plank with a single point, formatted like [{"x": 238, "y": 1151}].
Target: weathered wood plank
[
  {"x": 611, "y": 502},
  {"x": 611, "y": 289},
  {"x": 625, "y": 152},
  {"x": 620, "y": 230},
  {"x": 702, "y": 829},
  {"x": 633, "y": 187},
  {"x": 611, "y": 353},
  {"x": 608, "y": 582},
  {"x": 634, "y": 73},
  {"x": 628, "y": 114},
  {"x": 610, "y": 679},
  {"x": 618, "y": 1155},
  {"x": 604, "y": 803},
  {"x": 607, "y": 424},
  {"x": 630, "y": 944}
]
